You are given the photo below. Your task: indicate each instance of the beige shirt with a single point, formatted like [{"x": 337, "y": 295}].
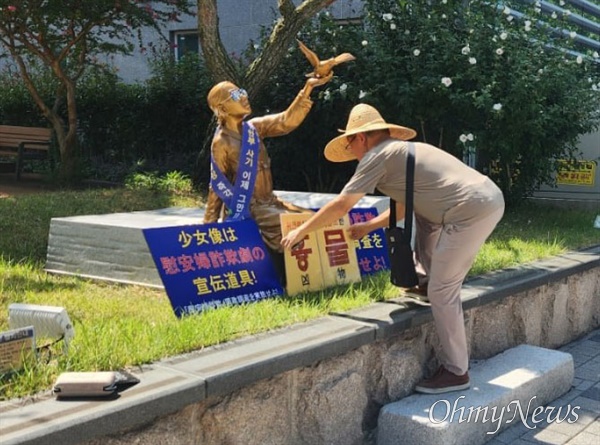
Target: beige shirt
[{"x": 445, "y": 190}]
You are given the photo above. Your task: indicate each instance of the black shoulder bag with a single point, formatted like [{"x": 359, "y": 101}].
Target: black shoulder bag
[{"x": 402, "y": 264}]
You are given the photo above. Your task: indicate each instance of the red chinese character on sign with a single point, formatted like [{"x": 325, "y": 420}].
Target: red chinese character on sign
[
  {"x": 336, "y": 247},
  {"x": 169, "y": 265},
  {"x": 202, "y": 261},
  {"x": 356, "y": 218},
  {"x": 186, "y": 262},
  {"x": 245, "y": 255},
  {"x": 231, "y": 257},
  {"x": 217, "y": 259}
]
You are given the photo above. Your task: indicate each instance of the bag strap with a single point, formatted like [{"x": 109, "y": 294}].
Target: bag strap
[{"x": 410, "y": 181}]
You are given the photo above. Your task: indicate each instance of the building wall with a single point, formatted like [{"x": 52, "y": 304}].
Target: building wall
[
  {"x": 240, "y": 22},
  {"x": 582, "y": 186}
]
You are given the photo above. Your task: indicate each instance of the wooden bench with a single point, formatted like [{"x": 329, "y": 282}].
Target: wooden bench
[{"x": 25, "y": 143}]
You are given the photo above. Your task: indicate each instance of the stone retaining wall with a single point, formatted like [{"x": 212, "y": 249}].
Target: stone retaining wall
[{"x": 336, "y": 400}]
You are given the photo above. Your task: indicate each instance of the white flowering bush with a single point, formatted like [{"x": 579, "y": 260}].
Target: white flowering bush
[
  {"x": 453, "y": 69},
  {"x": 447, "y": 70}
]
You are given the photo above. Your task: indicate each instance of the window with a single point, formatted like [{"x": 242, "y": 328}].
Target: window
[{"x": 184, "y": 42}]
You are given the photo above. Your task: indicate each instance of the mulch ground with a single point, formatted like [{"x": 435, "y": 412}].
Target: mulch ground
[{"x": 28, "y": 184}]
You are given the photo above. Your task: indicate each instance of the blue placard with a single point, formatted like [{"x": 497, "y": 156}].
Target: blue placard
[
  {"x": 210, "y": 265},
  {"x": 371, "y": 250}
]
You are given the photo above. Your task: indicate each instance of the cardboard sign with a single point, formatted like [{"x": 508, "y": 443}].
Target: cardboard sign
[
  {"x": 581, "y": 173},
  {"x": 326, "y": 257},
  {"x": 371, "y": 250},
  {"x": 16, "y": 346},
  {"x": 209, "y": 265}
]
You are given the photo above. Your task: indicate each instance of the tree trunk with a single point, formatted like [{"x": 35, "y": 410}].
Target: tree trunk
[
  {"x": 218, "y": 62},
  {"x": 262, "y": 68}
]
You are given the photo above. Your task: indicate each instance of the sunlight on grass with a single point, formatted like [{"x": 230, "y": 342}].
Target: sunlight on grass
[{"x": 119, "y": 326}]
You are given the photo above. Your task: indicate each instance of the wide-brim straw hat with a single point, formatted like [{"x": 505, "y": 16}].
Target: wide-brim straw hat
[{"x": 363, "y": 118}]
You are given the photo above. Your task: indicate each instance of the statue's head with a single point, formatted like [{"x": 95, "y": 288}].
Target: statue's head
[{"x": 226, "y": 98}]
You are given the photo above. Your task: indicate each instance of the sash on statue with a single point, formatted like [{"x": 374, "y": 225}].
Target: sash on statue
[{"x": 237, "y": 199}]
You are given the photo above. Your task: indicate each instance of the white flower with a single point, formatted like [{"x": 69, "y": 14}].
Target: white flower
[
  {"x": 579, "y": 60},
  {"x": 446, "y": 81},
  {"x": 572, "y": 34},
  {"x": 327, "y": 95},
  {"x": 470, "y": 137},
  {"x": 392, "y": 26},
  {"x": 500, "y": 51},
  {"x": 595, "y": 54},
  {"x": 506, "y": 10},
  {"x": 343, "y": 87},
  {"x": 364, "y": 43},
  {"x": 463, "y": 138},
  {"x": 443, "y": 16},
  {"x": 416, "y": 52},
  {"x": 561, "y": 3},
  {"x": 540, "y": 71},
  {"x": 497, "y": 107},
  {"x": 567, "y": 13},
  {"x": 466, "y": 50},
  {"x": 510, "y": 18},
  {"x": 387, "y": 17},
  {"x": 554, "y": 15},
  {"x": 527, "y": 23},
  {"x": 407, "y": 32},
  {"x": 538, "y": 3},
  {"x": 444, "y": 1},
  {"x": 504, "y": 36},
  {"x": 594, "y": 87},
  {"x": 538, "y": 10},
  {"x": 362, "y": 94},
  {"x": 472, "y": 60}
]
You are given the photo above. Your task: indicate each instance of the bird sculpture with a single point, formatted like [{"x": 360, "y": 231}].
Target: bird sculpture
[{"x": 322, "y": 68}]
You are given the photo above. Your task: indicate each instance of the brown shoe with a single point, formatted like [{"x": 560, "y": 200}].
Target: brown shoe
[
  {"x": 418, "y": 295},
  {"x": 443, "y": 381},
  {"x": 419, "y": 290}
]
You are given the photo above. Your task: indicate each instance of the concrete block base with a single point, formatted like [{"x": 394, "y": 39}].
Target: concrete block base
[
  {"x": 112, "y": 247},
  {"x": 508, "y": 388}
]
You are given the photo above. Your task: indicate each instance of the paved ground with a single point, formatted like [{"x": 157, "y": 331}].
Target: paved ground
[{"x": 583, "y": 399}]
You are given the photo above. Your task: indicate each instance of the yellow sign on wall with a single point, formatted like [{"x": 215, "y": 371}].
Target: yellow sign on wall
[
  {"x": 326, "y": 257},
  {"x": 578, "y": 173}
]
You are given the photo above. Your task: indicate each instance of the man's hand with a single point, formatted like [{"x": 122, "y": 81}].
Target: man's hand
[
  {"x": 292, "y": 238},
  {"x": 359, "y": 230}
]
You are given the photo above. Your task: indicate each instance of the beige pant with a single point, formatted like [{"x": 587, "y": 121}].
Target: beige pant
[{"x": 444, "y": 254}]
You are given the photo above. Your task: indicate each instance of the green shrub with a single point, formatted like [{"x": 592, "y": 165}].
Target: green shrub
[
  {"x": 173, "y": 182},
  {"x": 514, "y": 87}
]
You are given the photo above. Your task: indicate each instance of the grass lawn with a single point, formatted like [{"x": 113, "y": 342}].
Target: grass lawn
[{"x": 121, "y": 326}]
